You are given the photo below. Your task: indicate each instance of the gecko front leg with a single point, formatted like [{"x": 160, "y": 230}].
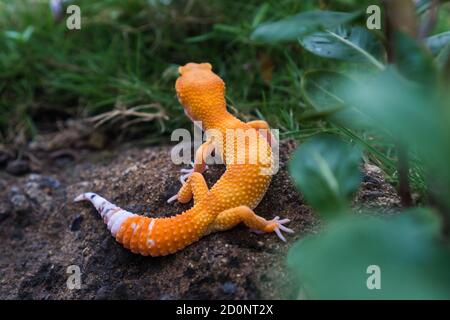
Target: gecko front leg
[
  {"x": 198, "y": 166},
  {"x": 195, "y": 187},
  {"x": 263, "y": 127}
]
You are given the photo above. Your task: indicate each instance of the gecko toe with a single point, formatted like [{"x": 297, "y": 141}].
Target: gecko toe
[
  {"x": 172, "y": 199},
  {"x": 280, "y": 227},
  {"x": 280, "y": 235}
]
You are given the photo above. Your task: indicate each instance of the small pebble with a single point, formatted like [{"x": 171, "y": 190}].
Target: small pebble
[
  {"x": 20, "y": 202},
  {"x": 229, "y": 287},
  {"x": 18, "y": 167},
  {"x": 44, "y": 181}
]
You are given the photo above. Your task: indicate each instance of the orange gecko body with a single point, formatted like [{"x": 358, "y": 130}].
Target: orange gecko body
[{"x": 229, "y": 202}]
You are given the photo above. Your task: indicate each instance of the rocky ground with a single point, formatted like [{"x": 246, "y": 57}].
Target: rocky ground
[{"x": 42, "y": 232}]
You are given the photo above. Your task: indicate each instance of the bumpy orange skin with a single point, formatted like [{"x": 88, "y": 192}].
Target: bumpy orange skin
[{"x": 230, "y": 200}]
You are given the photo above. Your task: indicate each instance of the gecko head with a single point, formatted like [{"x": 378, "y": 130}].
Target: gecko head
[{"x": 200, "y": 91}]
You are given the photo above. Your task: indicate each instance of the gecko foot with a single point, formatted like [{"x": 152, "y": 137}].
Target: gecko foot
[
  {"x": 277, "y": 227},
  {"x": 187, "y": 172},
  {"x": 280, "y": 227}
]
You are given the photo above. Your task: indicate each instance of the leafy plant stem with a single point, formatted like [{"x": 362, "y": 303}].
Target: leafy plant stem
[
  {"x": 367, "y": 55},
  {"x": 428, "y": 25}
]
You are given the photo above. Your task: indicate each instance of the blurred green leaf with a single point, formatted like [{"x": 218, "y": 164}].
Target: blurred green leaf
[
  {"x": 326, "y": 170},
  {"x": 443, "y": 56},
  {"x": 227, "y": 28},
  {"x": 412, "y": 262},
  {"x": 423, "y": 6},
  {"x": 406, "y": 113},
  {"x": 438, "y": 42},
  {"x": 320, "y": 89},
  {"x": 345, "y": 43},
  {"x": 20, "y": 36},
  {"x": 200, "y": 38},
  {"x": 260, "y": 14},
  {"x": 293, "y": 27},
  {"x": 413, "y": 60},
  {"x": 395, "y": 106},
  {"x": 11, "y": 34}
]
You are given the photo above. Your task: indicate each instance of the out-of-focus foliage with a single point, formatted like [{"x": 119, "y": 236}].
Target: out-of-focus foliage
[
  {"x": 126, "y": 55},
  {"x": 413, "y": 60},
  {"x": 413, "y": 263},
  {"x": 320, "y": 89},
  {"x": 405, "y": 103},
  {"x": 327, "y": 171},
  {"x": 438, "y": 42},
  {"x": 341, "y": 43},
  {"x": 299, "y": 25}
]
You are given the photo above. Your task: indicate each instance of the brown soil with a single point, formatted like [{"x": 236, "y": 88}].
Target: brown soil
[{"x": 43, "y": 232}]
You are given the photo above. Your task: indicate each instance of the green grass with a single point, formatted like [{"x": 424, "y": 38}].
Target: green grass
[{"x": 127, "y": 53}]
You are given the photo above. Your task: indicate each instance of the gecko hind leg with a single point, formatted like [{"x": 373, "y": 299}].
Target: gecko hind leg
[
  {"x": 232, "y": 217},
  {"x": 195, "y": 187}
]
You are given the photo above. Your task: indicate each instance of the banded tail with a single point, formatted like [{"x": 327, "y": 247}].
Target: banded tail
[
  {"x": 144, "y": 235},
  {"x": 112, "y": 215}
]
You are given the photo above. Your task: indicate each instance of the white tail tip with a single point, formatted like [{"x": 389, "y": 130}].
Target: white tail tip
[
  {"x": 81, "y": 197},
  {"x": 85, "y": 196}
]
